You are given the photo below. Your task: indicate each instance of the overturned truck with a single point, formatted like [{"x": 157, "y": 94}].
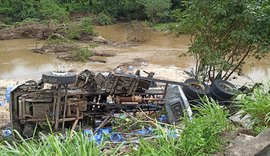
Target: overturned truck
[{"x": 63, "y": 99}]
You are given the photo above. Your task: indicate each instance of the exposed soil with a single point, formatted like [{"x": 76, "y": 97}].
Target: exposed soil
[{"x": 31, "y": 30}]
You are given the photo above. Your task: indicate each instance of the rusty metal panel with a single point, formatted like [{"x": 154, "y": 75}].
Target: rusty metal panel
[{"x": 41, "y": 110}]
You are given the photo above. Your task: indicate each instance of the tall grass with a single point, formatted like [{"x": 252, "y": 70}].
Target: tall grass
[
  {"x": 54, "y": 145},
  {"x": 257, "y": 106},
  {"x": 200, "y": 135}
]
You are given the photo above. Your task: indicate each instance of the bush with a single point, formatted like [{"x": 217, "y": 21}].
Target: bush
[
  {"x": 201, "y": 135},
  {"x": 19, "y": 10},
  {"x": 155, "y": 9},
  {"x": 27, "y": 21},
  {"x": 51, "y": 10},
  {"x": 137, "y": 31},
  {"x": 81, "y": 54},
  {"x": 104, "y": 19},
  {"x": 83, "y": 28},
  {"x": 257, "y": 106}
]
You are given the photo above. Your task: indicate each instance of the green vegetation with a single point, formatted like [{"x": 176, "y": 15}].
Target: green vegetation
[
  {"x": 104, "y": 19},
  {"x": 18, "y": 10},
  {"x": 200, "y": 135},
  {"x": 55, "y": 144},
  {"x": 82, "y": 29},
  {"x": 257, "y": 106},
  {"x": 81, "y": 54},
  {"x": 155, "y": 9},
  {"x": 225, "y": 33}
]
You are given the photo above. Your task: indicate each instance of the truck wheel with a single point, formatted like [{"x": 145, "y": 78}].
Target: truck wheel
[
  {"x": 59, "y": 77},
  {"x": 195, "y": 89},
  {"x": 223, "y": 89},
  {"x": 28, "y": 130}
]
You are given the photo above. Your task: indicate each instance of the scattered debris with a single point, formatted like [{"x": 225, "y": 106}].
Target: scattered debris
[{"x": 7, "y": 133}]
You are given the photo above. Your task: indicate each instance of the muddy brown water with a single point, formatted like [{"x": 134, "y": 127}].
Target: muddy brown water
[{"x": 17, "y": 60}]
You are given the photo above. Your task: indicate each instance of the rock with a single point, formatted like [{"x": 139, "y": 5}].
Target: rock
[
  {"x": 246, "y": 145},
  {"x": 242, "y": 120}
]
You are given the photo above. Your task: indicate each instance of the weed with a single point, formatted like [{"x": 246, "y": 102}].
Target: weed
[{"x": 257, "y": 106}]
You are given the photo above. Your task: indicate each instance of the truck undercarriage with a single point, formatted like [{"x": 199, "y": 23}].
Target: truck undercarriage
[{"x": 63, "y": 99}]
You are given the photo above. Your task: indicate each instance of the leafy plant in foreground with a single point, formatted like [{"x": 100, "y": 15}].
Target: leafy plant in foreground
[
  {"x": 200, "y": 135},
  {"x": 257, "y": 106},
  {"x": 53, "y": 144}
]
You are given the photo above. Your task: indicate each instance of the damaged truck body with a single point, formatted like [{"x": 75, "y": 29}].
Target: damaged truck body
[{"x": 63, "y": 99}]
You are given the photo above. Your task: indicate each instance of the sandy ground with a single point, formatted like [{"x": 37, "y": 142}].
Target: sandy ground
[
  {"x": 4, "y": 108},
  {"x": 166, "y": 73}
]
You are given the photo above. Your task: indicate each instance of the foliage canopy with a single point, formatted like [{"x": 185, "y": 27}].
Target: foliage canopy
[{"x": 224, "y": 34}]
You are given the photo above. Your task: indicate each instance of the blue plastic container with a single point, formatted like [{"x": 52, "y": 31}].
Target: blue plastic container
[
  {"x": 105, "y": 130},
  {"x": 163, "y": 118},
  {"x": 7, "y": 133},
  {"x": 8, "y": 90},
  {"x": 116, "y": 137}
]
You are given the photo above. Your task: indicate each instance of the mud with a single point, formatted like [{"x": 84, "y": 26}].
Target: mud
[{"x": 30, "y": 30}]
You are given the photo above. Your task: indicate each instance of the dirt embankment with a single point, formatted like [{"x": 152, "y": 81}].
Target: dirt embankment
[
  {"x": 58, "y": 40},
  {"x": 31, "y": 30}
]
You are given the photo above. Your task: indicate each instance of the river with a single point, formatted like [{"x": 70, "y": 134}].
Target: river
[{"x": 17, "y": 59}]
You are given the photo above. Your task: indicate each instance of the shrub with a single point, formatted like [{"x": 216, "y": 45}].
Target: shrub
[
  {"x": 27, "y": 21},
  {"x": 257, "y": 105},
  {"x": 104, "y": 19},
  {"x": 201, "y": 135},
  {"x": 155, "y": 9},
  {"x": 51, "y": 10},
  {"x": 137, "y": 31},
  {"x": 83, "y": 28},
  {"x": 81, "y": 54}
]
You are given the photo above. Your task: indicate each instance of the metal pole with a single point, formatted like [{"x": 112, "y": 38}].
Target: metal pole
[
  {"x": 65, "y": 109},
  {"x": 57, "y": 107}
]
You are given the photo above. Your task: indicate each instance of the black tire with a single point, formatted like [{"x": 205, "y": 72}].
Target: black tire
[
  {"x": 195, "y": 89},
  {"x": 220, "y": 100},
  {"x": 193, "y": 101},
  {"x": 59, "y": 78},
  {"x": 223, "y": 89},
  {"x": 28, "y": 130}
]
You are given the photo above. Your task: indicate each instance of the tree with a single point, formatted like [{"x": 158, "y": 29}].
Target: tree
[
  {"x": 155, "y": 8},
  {"x": 224, "y": 34}
]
